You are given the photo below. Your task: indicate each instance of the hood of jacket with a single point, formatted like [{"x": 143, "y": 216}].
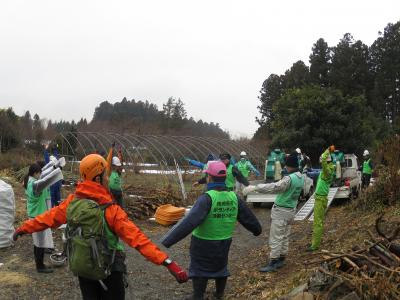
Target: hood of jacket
[{"x": 94, "y": 191}]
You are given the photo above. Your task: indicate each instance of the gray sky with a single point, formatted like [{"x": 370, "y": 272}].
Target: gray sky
[{"x": 60, "y": 59}]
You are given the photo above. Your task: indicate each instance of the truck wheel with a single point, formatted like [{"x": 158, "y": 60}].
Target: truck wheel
[{"x": 256, "y": 204}]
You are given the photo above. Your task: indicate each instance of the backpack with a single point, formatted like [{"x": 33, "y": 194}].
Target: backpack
[{"x": 87, "y": 247}]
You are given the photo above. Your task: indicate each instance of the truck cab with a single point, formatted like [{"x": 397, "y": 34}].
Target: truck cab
[{"x": 348, "y": 177}]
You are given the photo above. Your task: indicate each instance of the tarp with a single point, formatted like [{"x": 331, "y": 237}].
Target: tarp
[{"x": 7, "y": 213}]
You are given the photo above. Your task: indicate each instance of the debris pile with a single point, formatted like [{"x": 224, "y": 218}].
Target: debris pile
[
  {"x": 371, "y": 271},
  {"x": 142, "y": 202}
]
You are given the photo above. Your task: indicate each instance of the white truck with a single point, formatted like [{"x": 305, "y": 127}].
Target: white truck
[
  {"x": 258, "y": 198},
  {"x": 347, "y": 185},
  {"x": 275, "y": 175},
  {"x": 348, "y": 178}
]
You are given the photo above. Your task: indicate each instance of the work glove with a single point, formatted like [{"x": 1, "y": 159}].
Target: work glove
[
  {"x": 176, "y": 271},
  {"x": 17, "y": 234},
  {"x": 331, "y": 148},
  {"x": 249, "y": 189},
  {"x": 60, "y": 163}
]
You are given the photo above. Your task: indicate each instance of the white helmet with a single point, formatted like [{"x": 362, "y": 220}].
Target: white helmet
[
  {"x": 298, "y": 150},
  {"x": 243, "y": 153},
  {"x": 116, "y": 162},
  {"x": 366, "y": 152}
]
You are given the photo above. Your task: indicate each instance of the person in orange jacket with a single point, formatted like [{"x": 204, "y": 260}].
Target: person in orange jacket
[{"x": 94, "y": 187}]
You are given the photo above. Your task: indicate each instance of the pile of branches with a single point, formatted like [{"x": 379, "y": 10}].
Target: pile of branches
[
  {"x": 368, "y": 272},
  {"x": 386, "y": 188},
  {"x": 142, "y": 202}
]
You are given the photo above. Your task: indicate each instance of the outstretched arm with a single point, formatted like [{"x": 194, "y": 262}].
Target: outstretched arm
[
  {"x": 50, "y": 219},
  {"x": 196, "y": 216},
  {"x": 119, "y": 223}
]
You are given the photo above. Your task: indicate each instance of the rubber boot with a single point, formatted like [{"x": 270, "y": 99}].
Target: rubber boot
[
  {"x": 199, "y": 288},
  {"x": 271, "y": 267},
  {"x": 39, "y": 259},
  {"x": 220, "y": 284}
]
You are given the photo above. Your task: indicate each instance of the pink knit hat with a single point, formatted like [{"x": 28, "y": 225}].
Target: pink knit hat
[{"x": 216, "y": 169}]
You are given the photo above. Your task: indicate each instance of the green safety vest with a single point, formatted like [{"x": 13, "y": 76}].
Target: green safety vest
[
  {"x": 115, "y": 182},
  {"x": 221, "y": 220},
  {"x": 366, "y": 167},
  {"x": 35, "y": 205},
  {"x": 230, "y": 179},
  {"x": 323, "y": 184},
  {"x": 289, "y": 198},
  {"x": 243, "y": 167}
]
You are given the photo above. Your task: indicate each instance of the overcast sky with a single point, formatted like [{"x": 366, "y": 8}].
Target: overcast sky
[{"x": 60, "y": 59}]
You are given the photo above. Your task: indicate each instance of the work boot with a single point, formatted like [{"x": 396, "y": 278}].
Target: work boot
[{"x": 271, "y": 267}]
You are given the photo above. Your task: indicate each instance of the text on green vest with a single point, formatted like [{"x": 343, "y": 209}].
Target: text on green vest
[{"x": 221, "y": 220}]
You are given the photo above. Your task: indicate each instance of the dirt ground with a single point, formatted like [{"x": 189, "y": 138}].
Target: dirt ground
[{"x": 19, "y": 280}]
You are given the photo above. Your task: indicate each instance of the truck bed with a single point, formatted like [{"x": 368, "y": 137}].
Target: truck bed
[{"x": 258, "y": 197}]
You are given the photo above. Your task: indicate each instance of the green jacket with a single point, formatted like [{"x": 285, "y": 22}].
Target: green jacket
[{"x": 326, "y": 176}]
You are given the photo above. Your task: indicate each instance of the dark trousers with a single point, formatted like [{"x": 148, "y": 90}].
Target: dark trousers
[
  {"x": 200, "y": 285},
  {"x": 39, "y": 257},
  {"x": 92, "y": 289},
  {"x": 366, "y": 179},
  {"x": 55, "y": 193}
]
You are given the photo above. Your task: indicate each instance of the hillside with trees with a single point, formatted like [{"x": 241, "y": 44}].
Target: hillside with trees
[
  {"x": 349, "y": 95},
  {"x": 126, "y": 116}
]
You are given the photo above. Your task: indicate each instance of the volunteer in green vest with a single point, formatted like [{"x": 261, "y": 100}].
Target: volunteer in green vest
[
  {"x": 95, "y": 225},
  {"x": 37, "y": 192},
  {"x": 212, "y": 221},
  {"x": 245, "y": 167},
  {"x": 325, "y": 179},
  {"x": 283, "y": 211},
  {"x": 367, "y": 169},
  {"x": 232, "y": 174},
  {"x": 115, "y": 181}
]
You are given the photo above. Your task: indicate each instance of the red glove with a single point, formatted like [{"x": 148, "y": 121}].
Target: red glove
[
  {"x": 17, "y": 234},
  {"x": 179, "y": 274}
]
